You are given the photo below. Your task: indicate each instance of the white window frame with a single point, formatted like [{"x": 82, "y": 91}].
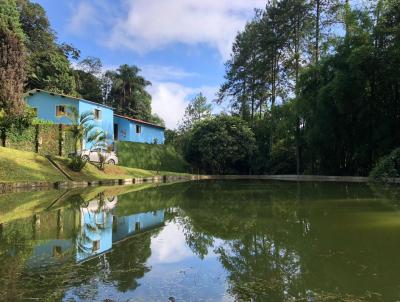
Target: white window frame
[{"x": 138, "y": 127}]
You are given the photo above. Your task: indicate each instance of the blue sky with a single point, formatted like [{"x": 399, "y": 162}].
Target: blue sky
[{"x": 181, "y": 45}]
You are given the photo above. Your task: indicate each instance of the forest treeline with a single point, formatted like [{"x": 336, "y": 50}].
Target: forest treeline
[
  {"x": 318, "y": 84},
  {"x": 32, "y": 57}
]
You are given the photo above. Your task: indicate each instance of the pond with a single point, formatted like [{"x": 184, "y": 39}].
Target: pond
[{"x": 202, "y": 241}]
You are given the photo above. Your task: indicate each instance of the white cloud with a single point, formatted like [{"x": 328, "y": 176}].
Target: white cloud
[
  {"x": 153, "y": 24},
  {"x": 84, "y": 15},
  {"x": 170, "y": 100},
  {"x": 165, "y": 73}
]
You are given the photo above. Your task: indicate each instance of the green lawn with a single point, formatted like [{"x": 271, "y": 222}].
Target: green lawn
[
  {"x": 18, "y": 165},
  {"x": 21, "y": 166}
]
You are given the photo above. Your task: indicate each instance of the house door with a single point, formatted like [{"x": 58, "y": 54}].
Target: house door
[{"x": 115, "y": 132}]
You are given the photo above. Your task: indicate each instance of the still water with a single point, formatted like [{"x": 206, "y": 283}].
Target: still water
[{"x": 202, "y": 241}]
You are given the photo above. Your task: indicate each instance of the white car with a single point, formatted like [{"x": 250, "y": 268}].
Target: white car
[{"x": 93, "y": 155}]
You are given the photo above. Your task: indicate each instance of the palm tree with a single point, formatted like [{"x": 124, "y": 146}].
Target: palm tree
[{"x": 84, "y": 128}]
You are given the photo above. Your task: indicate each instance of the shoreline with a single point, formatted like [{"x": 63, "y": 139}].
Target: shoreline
[{"x": 8, "y": 187}]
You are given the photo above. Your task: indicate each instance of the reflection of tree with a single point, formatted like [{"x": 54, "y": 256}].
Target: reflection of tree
[
  {"x": 260, "y": 270},
  {"x": 197, "y": 241},
  {"x": 15, "y": 249},
  {"x": 127, "y": 261}
]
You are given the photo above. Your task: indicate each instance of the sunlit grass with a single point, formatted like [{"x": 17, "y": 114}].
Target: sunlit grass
[
  {"x": 23, "y": 166},
  {"x": 91, "y": 172}
]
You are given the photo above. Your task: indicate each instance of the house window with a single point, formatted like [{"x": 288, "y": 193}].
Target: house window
[
  {"x": 138, "y": 129},
  {"x": 97, "y": 114},
  {"x": 60, "y": 110},
  {"x": 96, "y": 245}
]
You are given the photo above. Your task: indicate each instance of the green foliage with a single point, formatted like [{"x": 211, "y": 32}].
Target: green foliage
[
  {"x": 21, "y": 138},
  {"x": 12, "y": 60},
  {"x": 88, "y": 83},
  {"x": 150, "y": 157},
  {"x": 38, "y": 121},
  {"x": 198, "y": 109},
  {"x": 76, "y": 163},
  {"x": 387, "y": 167},
  {"x": 325, "y": 100},
  {"x": 127, "y": 92},
  {"x": 50, "y": 70},
  {"x": 156, "y": 119},
  {"x": 35, "y": 25},
  {"x": 221, "y": 145},
  {"x": 9, "y": 19},
  {"x": 83, "y": 128},
  {"x": 48, "y": 64}
]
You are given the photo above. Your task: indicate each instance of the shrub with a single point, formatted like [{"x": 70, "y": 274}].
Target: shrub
[
  {"x": 221, "y": 145},
  {"x": 76, "y": 163},
  {"x": 387, "y": 167}
]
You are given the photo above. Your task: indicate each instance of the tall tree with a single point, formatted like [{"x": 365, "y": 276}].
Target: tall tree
[
  {"x": 49, "y": 67},
  {"x": 128, "y": 94},
  {"x": 197, "y": 110},
  {"x": 88, "y": 81},
  {"x": 12, "y": 60}
]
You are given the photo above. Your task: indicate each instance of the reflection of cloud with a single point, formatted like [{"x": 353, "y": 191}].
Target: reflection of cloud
[{"x": 169, "y": 246}]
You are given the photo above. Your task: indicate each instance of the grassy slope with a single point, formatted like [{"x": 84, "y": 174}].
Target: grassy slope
[
  {"x": 91, "y": 172},
  {"x": 18, "y": 165}
]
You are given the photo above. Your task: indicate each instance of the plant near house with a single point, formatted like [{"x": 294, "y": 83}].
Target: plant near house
[
  {"x": 76, "y": 164},
  {"x": 82, "y": 128}
]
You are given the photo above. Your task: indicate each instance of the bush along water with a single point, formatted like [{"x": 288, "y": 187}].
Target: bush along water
[{"x": 387, "y": 167}]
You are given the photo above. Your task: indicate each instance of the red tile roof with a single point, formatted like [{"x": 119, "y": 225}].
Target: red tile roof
[{"x": 139, "y": 121}]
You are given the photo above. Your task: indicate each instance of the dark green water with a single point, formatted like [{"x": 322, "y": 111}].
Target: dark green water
[{"x": 202, "y": 241}]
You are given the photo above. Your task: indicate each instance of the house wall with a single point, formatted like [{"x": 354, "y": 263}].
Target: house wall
[
  {"x": 107, "y": 117},
  {"x": 125, "y": 226},
  {"x": 127, "y": 132},
  {"x": 95, "y": 226},
  {"x": 46, "y": 109},
  {"x": 46, "y": 106}
]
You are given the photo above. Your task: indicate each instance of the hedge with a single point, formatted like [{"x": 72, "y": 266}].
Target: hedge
[
  {"x": 150, "y": 157},
  {"x": 41, "y": 138}
]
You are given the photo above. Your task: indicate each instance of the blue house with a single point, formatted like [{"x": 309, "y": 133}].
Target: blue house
[
  {"x": 128, "y": 129},
  {"x": 52, "y": 106}
]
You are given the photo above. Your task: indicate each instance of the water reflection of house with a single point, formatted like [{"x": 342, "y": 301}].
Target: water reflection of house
[
  {"x": 95, "y": 236},
  {"x": 126, "y": 226},
  {"x": 83, "y": 234},
  {"x": 52, "y": 234}
]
